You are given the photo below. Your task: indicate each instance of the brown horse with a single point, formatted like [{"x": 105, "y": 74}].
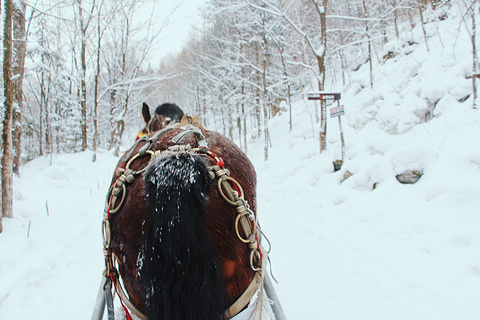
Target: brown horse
[{"x": 172, "y": 222}]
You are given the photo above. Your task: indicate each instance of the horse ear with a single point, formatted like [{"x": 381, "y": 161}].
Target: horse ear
[{"x": 146, "y": 113}]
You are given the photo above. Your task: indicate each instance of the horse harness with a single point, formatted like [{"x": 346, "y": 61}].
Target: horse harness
[
  {"x": 184, "y": 121},
  {"x": 229, "y": 189}
]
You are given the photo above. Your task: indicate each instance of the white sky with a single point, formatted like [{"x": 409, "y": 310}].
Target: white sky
[{"x": 175, "y": 35}]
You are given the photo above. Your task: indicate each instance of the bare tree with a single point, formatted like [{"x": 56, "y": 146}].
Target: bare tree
[
  {"x": 9, "y": 87},
  {"x": 1, "y": 213},
  {"x": 124, "y": 64},
  {"x": 318, "y": 49},
  {"x": 420, "y": 13},
  {"x": 84, "y": 23},
  {"x": 474, "y": 10},
  {"x": 367, "y": 32},
  {"x": 100, "y": 33},
  {"x": 18, "y": 68}
]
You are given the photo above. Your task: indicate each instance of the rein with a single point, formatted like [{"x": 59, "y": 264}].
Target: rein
[{"x": 229, "y": 189}]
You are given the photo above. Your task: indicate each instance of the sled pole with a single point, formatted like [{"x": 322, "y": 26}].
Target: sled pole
[
  {"x": 272, "y": 295},
  {"x": 99, "y": 307},
  {"x": 109, "y": 298}
]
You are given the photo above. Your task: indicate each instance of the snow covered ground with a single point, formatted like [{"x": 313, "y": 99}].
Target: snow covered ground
[{"x": 340, "y": 249}]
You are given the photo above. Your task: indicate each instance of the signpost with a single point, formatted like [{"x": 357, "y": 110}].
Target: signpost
[
  {"x": 323, "y": 96},
  {"x": 337, "y": 111}
]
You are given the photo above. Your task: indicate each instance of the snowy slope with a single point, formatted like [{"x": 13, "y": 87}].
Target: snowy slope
[
  {"x": 340, "y": 249},
  {"x": 344, "y": 251},
  {"x": 54, "y": 273}
]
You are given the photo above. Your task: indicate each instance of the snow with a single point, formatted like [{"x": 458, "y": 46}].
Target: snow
[
  {"x": 341, "y": 250},
  {"x": 51, "y": 274}
]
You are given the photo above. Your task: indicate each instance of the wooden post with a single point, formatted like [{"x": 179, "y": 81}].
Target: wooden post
[
  {"x": 323, "y": 96},
  {"x": 341, "y": 133}
]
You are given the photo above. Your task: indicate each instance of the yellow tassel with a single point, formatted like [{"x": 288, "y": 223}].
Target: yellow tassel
[{"x": 141, "y": 134}]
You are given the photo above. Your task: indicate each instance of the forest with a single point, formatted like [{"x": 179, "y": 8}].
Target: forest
[{"x": 75, "y": 72}]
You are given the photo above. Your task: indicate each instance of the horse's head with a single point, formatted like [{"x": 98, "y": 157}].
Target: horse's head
[{"x": 164, "y": 114}]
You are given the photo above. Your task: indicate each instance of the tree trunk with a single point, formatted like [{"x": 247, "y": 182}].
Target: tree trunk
[
  {"x": 95, "y": 95},
  {"x": 420, "y": 12},
  {"x": 83, "y": 89},
  {"x": 113, "y": 102},
  {"x": 48, "y": 124},
  {"x": 244, "y": 116},
  {"x": 321, "y": 69},
  {"x": 320, "y": 55},
  {"x": 474, "y": 51},
  {"x": 395, "y": 19},
  {"x": 265, "y": 93},
  {"x": 44, "y": 112},
  {"x": 258, "y": 113},
  {"x": 244, "y": 129},
  {"x": 1, "y": 223},
  {"x": 367, "y": 32},
  {"x": 265, "y": 111},
  {"x": 230, "y": 124},
  {"x": 289, "y": 93},
  {"x": 40, "y": 122},
  {"x": 20, "y": 48},
  {"x": 118, "y": 136},
  {"x": 342, "y": 139},
  {"x": 7, "y": 157},
  {"x": 239, "y": 127}
]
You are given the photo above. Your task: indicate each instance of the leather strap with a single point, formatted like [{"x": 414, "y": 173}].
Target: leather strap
[
  {"x": 244, "y": 298},
  {"x": 259, "y": 308},
  {"x": 127, "y": 301}
]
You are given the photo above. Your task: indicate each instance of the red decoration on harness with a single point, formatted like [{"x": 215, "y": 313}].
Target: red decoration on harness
[
  {"x": 218, "y": 161},
  {"x": 127, "y": 313}
]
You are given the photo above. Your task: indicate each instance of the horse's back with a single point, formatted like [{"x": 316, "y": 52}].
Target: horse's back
[{"x": 130, "y": 225}]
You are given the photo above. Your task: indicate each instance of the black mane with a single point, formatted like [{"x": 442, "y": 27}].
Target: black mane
[{"x": 181, "y": 274}]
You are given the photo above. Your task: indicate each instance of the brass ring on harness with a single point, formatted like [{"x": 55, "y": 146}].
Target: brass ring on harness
[
  {"x": 136, "y": 173},
  {"x": 106, "y": 233},
  {"x": 111, "y": 200},
  {"x": 235, "y": 182},
  {"x": 109, "y": 208},
  {"x": 237, "y": 220},
  {"x": 255, "y": 268}
]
